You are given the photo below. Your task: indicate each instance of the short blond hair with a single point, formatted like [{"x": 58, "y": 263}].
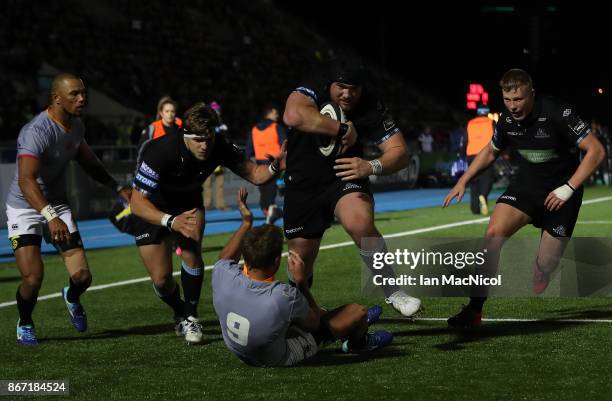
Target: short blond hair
[{"x": 514, "y": 78}]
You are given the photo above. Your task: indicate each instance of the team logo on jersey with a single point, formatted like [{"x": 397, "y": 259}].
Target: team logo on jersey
[
  {"x": 350, "y": 186},
  {"x": 388, "y": 124},
  {"x": 541, "y": 134},
  {"x": 508, "y": 120},
  {"x": 560, "y": 230},
  {"x": 515, "y": 133},
  {"x": 578, "y": 127},
  {"x": 567, "y": 112},
  {"x": 542, "y": 119}
]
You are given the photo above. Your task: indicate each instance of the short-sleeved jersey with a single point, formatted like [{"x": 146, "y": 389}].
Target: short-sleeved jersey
[
  {"x": 306, "y": 167},
  {"x": 171, "y": 177},
  {"x": 255, "y": 315},
  {"x": 46, "y": 140},
  {"x": 545, "y": 142}
]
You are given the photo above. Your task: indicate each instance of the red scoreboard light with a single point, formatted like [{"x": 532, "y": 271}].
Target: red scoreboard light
[{"x": 476, "y": 95}]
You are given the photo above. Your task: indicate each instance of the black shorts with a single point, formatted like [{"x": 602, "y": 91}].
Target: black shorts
[
  {"x": 558, "y": 223},
  {"x": 147, "y": 234},
  {"x": 307, "y": 214}
]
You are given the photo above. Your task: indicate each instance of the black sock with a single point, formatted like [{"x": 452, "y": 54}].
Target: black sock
[
  {"x": 476, "y": 303},
  {"x": 75, "y": 290},
  {"x": 173, "y": 299},
  {"x": 358, "y": 344},
  {"x": 25, "y": 308},
  {"x": 377, "y": 246},
  {"x": 192, "y": 288}
]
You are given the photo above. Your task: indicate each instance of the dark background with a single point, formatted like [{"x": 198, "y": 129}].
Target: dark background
[{"x": 441, "y": 47}]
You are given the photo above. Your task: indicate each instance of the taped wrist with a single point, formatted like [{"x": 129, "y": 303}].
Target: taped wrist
[{"x": 48, "y": 212}]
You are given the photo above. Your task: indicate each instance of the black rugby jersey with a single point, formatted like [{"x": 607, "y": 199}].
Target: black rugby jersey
[
  {"x": 545, "y": 143},
  {"x": 306, "y": 167},
  {"x": 171, "y": 177}
]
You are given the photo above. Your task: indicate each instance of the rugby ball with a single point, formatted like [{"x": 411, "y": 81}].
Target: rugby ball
[{"x": 328, "y": 147}]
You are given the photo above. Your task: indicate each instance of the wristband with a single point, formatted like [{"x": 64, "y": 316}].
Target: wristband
[
  {"x": 48, "y": 212},
  {"x": 272, "y": 169},
  {"x": 376, "y": 167},
  {"x": 342, "y": 130},
  {"x": 564, "y": 192},
  {"x": 167, "y": 220},
  {"x": 570, "y": 185}
]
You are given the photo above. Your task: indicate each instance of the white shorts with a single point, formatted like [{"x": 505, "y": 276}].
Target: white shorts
[
  {"x": 29, "y": 221},
  {"x": 301, "y": 345}
]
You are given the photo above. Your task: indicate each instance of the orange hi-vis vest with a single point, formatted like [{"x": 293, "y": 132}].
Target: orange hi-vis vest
[
  {"x": 480, "y": 132},
  {"x": 265, "y": 142},
  {"x": 158, "y": 127}
]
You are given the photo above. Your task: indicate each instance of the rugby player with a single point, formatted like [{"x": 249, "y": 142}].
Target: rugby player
[
  {"x": 547, "y": 193},
  {"x": 319, "y": 188},
  {"x": 37, "y": 202},
  {"x": 168, "y": 200},
  {"x": 268, "y": 323}
]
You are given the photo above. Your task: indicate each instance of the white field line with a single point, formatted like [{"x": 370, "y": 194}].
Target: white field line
[
  {"x": 512, "y": 320},
  {"x": 330, "y": 246}
]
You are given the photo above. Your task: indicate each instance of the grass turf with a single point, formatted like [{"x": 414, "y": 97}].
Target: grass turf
[{"x": 130, "y": 351}]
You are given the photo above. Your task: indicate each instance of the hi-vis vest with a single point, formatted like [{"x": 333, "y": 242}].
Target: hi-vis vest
[
  {"x": 265, "y": 141},
  {"x": 156, "y": 129},
  {"x": 480, "y": 132}
]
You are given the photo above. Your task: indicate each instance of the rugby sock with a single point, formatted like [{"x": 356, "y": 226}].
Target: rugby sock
[
  {"x": 476, "y": 303},
  {"x": 75, "y": 290},
  {"x": 386, "y": 271},
  {"x": 192, "y": 287},
  {"x": 171, "y": 295},
  {"x": 25, "y": 308}
]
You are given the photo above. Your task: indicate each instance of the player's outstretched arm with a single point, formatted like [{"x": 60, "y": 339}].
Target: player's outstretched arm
[
  {"x": 95, "y": 169},
  {"x": 297, "y": 269},
  {"x": 233, "y": 248},
  {"x": 487, "y": 155},
  {"x": 259, "y": 173}
]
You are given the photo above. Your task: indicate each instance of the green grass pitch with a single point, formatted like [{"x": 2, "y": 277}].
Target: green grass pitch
[{"x": 130, "y": 351}]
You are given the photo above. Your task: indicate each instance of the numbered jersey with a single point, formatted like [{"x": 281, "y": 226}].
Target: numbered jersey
[{"x": 255, "y": 315}]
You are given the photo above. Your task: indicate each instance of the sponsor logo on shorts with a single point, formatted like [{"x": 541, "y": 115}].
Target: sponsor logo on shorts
[
  {"x": 350, "y": 186},
  {"x": 141, "y": 236},
  {"x": 14, "y": 242},
  {"x": 560, "y": 230},
  {"x": 508, "y": 197},
  {"x": 567, "y": 112},
  {"x": 15, "y": 227},
  {"x": 294, "y": 230}
]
